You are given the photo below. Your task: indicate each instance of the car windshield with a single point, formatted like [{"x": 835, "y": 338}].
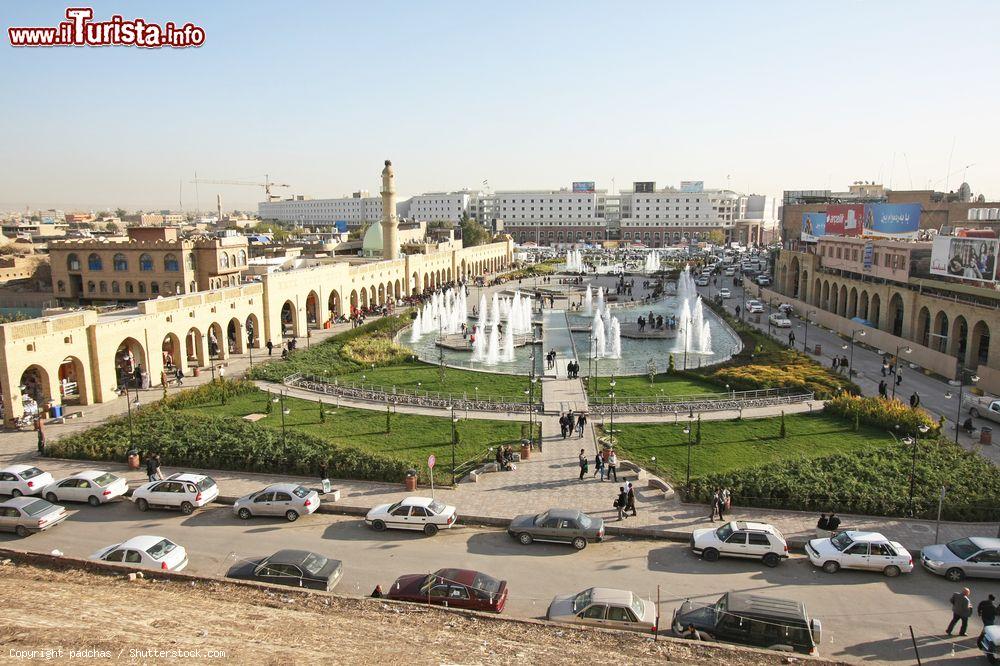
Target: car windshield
[
  {"x": 161, "y": 548},
  {"x": 301, "y": 491},
  {"x": 638, "y": 606},
  {"x": 206, "y": 483},
  {"x": 582, "y": 600},
  {"x": 393, "y": 507},
  {"x": 30, "y": 473},
  {"x": 105, "y": 479},
  {"x": 963, "y": 548},
  {"x": 314, "y": 563},
  {"x": 585, "y": 520},
  {"x": 841, "y": 541},
  {"x": 436, "y": 507},
  {"x": 484, "y": 583},
  {"x": 540, "y": 518},
  {"x": 724, "y": 532},
  {"x": 37, "y": 507}
]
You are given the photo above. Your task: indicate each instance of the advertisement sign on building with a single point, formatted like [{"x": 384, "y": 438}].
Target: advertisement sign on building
[
  {"x": 966, "y": 258},
  {"x": 692, "y": 186},
  {"x": 583, "y": 186},
  {"x": 868, "y": 256},
  {"x": 892, "y": 220},
  {"x": 844, "y": 219},
  {"x": 813, "y": 226},
  {"x": 644, "y": 186}
]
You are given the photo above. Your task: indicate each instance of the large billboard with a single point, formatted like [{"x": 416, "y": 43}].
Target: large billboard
[
  {"x": 892, "y": 220},
  {"x": 813, "y": 226},
  {"x": 583, "y": 186},
  {"x": 844, "y": 219},
  {"x": 644, "y": 186},
  {"x": 692, "y": 186},
  {"x": 966, "y": 258}
]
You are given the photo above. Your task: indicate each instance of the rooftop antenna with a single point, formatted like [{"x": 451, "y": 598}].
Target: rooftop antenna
[
  {"x": 948, "y": 172},
  {"x": 908, "y": 172}
]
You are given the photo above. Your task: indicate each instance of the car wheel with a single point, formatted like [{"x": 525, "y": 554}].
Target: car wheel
[
  {"x": 954, "y": 574},
  {"x": 579, "y": 543},
  {"x": 831, "y": 567},
  {"x": 772, "y": 560},
  {"x": 142, "y": 504},
  {"x": 291, "y": 515},
  {"x": 525, "y": 538},
  {"x": 891, "y": 571},
  {"x": 973, "y": 412},
  {"x": 378, "y": 525},
  {"x": 244, "y": 514},
  {"x": 187, "y": 508},
  {"x": 992, "y": 658},
  {"x": 710, "y": 555},
  {"x": 16, "y": 493},
  {"x": 21, "y": 531},
  {"x": 93, "y": 501},
  {"x": 430, "y": 529},
  {"x": 51, "y": 498}
]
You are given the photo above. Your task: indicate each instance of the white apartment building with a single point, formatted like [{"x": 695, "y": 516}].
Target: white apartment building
[
  {"x": 442, "y": 206},
  {"x": 359, "y": 209}
]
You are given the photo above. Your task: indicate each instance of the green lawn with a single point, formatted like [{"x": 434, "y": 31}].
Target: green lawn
[
  {"x": 411, "y": 437},
  {"x": 731, "y": 445},
  {"x": 423, "y": 376},
  {"x": 663, "y": 386}
]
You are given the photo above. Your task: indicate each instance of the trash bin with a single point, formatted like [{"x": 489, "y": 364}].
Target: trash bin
[
  {"x": 133, "y": 459},
  {"x": 986, "y": 435},
  {"x": 195, "y": 371},
  {"x": 411, "y": 480},
  {"x": 56, "y": 411},
  {"x": 818, "y": 349},
  {"x": 525, "y": 449}
]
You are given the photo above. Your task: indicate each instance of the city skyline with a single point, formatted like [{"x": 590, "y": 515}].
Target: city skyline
[{"x": 750, "y": 98}]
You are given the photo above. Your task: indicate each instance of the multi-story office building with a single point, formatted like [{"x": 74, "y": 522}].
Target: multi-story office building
[
  {"x": 151, "y": 261},
  {"x": 442, "y": 206},
  {"x": 358, "y": 210}
]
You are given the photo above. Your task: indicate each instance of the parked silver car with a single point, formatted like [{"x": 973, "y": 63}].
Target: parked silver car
[
  {"x": 558, "y": 525},
  {"x": 970, "y": 556},
  {"x": 605, "y": 608},
  {"x": 27, "y": 515},
  {"x": 278, "y": 499}
]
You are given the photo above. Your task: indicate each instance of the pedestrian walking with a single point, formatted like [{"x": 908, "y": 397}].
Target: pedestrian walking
[
  {"x": 899, "y": 377},
  {"x": 722, "y": 505},
  {"x": 270, "y": 347},
  {"x": 151, "y": 467},
  {"x": 914, "y": 400},
  {"x": 791, "y": 338},
  {"x": 727, "y": 498},
  {"x": 715, "y": 505},
  {"x": 833, "y": 522},
  {"x": 179, "y": 376},
  {"x": 563, "y": 425},
  {"x": 40, "y": 430},
  {"x": 570, "y": 423},
  {"x": 630, "y": 499},
  {"x": 612, "y": 466},
  {"x": 987, "y": 612},
  {"x": 961, "y": 609},
  {"x": 599, "y": 465},
  {"x": 883, "y": 390},
  {"x": 621, "y": 502},
  {"x": 583, "y": 464}
]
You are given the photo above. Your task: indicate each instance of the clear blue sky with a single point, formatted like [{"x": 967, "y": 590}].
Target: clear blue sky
[{"x": 772, "y": 95}]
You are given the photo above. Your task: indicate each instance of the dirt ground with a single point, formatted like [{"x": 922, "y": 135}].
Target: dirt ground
[{"x": 156, "y": 621}]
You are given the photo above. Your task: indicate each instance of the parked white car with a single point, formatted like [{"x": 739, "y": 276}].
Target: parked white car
[
  {"x": 186, "y": 492},
  {"x": 756, "y": 541},
  {"x": 702, "y": 281},
  {"x": 412, "y": 513},
  {"x": 93, "y": 486},
  {"x": 779, "y": 320},
  {"x": 148, "y": 552},
  {"x": 725, "y": 293},
  {"x": 18, "y": 480},
  {"x": 860, "y": 550},
  {"x": 605, "y": 608},
  {"x": 755, "y": 306},
  {"x": 730, "y": 272},
  {"x": 763, "y": 280},
  {"x": 278, "y": 499}
]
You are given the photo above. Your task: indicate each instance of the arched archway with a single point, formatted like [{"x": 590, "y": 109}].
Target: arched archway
[
  {"x": 194, "y": 348},
  {"x": 958, "y": 343},
  {"x": 35, "y": 386},
  {"x": 73, "y": 382},
  {"x": 289, "y": 320},
  {"x": 817, "y": 292},
  {"x": 825, "y": 299},
  {"x": 863, "y": 305},
  {"x": 252, "y": 328},
  {"x": 842, "y": 301},
  {"x": 852, "y": 303},
  {"x": 875, "y": 310},
  {"x": 979, "y": 345},
  {"x": 939, "y": 337},
  {"x": 381, "y": 294},
  {"x": 130, "y": 356},
  {"x": 923, "y": 327},
  {"x": 170, "y": 348},
  {"x": 217, "y": 347},
  {"x": 312, "y": 310},
  {"x": 364, "y": 298},
  {"x": 783, "y": 279},
  {"x": 897, "y": 314},
  {"x": 235, "y": 341},
  {"x": 397, "y": 289},
  {"x": 415, "y": 284},
  {"x": 354, "y": 300},
  {"x": 462, "y": 270},
  {"x": 334, "y": 305}
]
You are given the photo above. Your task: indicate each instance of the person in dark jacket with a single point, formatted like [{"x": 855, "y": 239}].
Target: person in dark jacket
[
  {"x": 987, "y": 612},
  {"x": 961, "y": 610},
  {"x": 834, "y": 523},
  {"x": 152, "y": 467},
  {"x": 630, "y": 501},
  {"x": 823, "y": 523},
  {"x": 583, "y": 464},
  {"x": 914, "y": 400},
  {"x": 621, "y": 502}
]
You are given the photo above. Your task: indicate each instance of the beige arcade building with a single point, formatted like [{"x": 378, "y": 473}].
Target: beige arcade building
[{"x": 77, "y": 358}]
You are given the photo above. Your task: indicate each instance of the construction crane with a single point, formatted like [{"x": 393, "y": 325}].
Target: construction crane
[{"x": 267, "y": 184}]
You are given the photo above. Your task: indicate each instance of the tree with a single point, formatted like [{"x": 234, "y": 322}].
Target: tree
[
  {"x": 120, "y": 213},
  {"x": 716, "y": 237},
  {"x": 473, "y": 233}
]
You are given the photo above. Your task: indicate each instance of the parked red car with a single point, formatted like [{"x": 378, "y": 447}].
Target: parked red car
[{"x": 455, "y": 588}]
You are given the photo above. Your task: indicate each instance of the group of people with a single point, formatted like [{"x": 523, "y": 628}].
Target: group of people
[
  {"x": 721, "y": 502},
  {"x": 570, "y": 423},
  {"x": 505, "y": 459},
  {"x": 153, "y": 471},
  {"x": 605, "y": 464},
  {"x": 573, "y": 370},
  {"x": 550, "y": 360},
  {"x": 829, "y": 523},
  {"x": 625, "y": 501},
  {"x": 657, "y": 322},
  {"x": 961, "y": 611}
]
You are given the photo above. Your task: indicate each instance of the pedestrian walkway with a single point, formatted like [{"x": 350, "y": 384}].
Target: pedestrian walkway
[{"x": 556, "y": 337}]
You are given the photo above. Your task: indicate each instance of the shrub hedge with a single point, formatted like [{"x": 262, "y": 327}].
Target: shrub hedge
[
  {"x": 882, "y": 413},
  {"x": 872, "y": 481}
]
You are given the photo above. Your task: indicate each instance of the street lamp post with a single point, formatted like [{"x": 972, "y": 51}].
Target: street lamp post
[
  {"x": 684, "y": 330},
  {"x": 805, "y": 339},
  {"x": 895, "y": 372},
  {"x": 454, "y": 441},
  {"x": 687, "y": 482},
  {"x": 612, "y": 396},
  {"x": 860, "y": 332},
  {"x": 961, "y": 388},
  {"x": 913, "y": 465}
]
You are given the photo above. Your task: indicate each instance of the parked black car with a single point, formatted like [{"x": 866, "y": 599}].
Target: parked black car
[
  {"x": 750, "y": 619},
  {"x": 296, "y": 568}
]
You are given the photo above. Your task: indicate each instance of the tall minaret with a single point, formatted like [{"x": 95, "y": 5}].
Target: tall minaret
[{"x": 390, "y": 223}]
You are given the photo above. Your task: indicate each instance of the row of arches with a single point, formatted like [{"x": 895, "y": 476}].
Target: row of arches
[{"x": 152, "y": 288}]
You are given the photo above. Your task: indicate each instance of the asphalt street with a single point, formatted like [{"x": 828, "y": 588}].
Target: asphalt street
[{"x": 865, "y": 616}]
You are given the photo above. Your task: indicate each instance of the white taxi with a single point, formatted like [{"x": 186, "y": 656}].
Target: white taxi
[
  {"x": 868, "y": 551},
  {"x": 413, "y": 513}
]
